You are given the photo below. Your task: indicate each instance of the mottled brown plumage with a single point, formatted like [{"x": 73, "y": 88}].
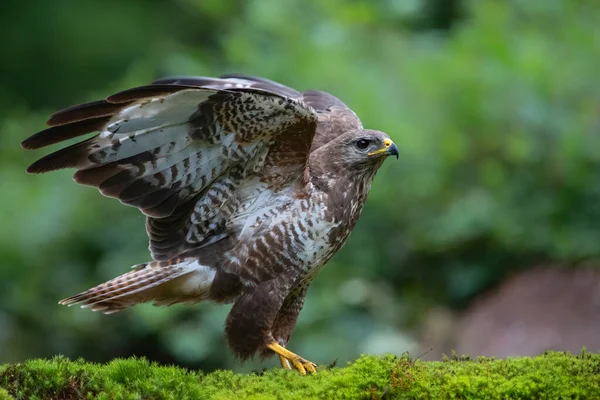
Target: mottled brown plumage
[{"x": 249, "y": 187}]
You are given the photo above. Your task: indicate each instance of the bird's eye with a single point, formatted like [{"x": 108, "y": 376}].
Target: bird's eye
[{"x": 362, "y": 144}]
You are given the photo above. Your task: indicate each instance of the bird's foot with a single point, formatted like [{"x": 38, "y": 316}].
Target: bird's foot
[{"x": 289, "y": 359}]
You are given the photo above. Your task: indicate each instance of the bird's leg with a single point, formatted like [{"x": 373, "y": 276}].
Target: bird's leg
[
  {"x": 284, "y": 324},
  {"x": 285, "y": 363},
  {"x": 263, "y": 319},
  {"x": 286, "y": 357}
]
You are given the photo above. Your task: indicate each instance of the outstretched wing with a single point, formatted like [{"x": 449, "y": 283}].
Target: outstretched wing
[{"x": 178, "y": 150}]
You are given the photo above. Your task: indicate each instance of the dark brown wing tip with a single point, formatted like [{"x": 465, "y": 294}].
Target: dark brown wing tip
[
  {"x": 32, "y": 170},
  {"x": 35, "y": 141},
  {"x": 73, "y": 156},
  {"x": 71, "y": 122},
  {"x": 40, "y": 166},
  {"x": 43, "y": 165},
  {"x": 93, "y": 109},
  {"x": 57, "y": 134},
  {"x": 26, "y": 144}
]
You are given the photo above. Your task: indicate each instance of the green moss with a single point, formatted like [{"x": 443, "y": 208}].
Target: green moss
[
  {"x": 4, "y": 395},
  {"x": 549, "y": 376}
]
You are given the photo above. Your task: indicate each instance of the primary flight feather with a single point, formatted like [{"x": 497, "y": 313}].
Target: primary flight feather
[{"x": 248, "y": 187}]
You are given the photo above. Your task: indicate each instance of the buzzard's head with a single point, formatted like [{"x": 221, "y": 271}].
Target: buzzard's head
[
  {"x": 365, "y": 146},
  {"x": 355, "y": 155},
  {"x": 363, "y": 149}
]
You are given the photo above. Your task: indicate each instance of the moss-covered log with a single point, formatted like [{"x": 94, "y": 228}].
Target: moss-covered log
[{"x": 548, "y": 376}]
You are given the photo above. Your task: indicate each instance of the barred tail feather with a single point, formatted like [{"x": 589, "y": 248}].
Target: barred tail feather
[{"x": 161, "y": 282}]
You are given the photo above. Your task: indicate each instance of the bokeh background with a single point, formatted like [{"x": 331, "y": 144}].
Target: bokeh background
[{"x": 484, "y": 238}]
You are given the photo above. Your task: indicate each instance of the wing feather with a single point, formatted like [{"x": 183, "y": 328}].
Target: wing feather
[
  {"x": 60, "y": 133},
  {"x": 179, "y": 149},
  {"x": 233, "y": 82},
  {"x": 146, "y": 92},
  {"x": 94, "y": 109}
]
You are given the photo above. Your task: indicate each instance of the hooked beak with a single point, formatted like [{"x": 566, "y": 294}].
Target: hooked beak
[{"x": 389, "y": 148}]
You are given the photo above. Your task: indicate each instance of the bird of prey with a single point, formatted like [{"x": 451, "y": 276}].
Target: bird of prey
[{"x": 248, "y": 187}]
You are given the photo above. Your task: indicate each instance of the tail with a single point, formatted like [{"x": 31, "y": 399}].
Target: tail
[{"x": 162, "y": 282}]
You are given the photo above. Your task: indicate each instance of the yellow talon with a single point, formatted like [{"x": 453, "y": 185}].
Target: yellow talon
[
  {"x": 285, "y": 363},
  {"x": 286, "y": 357}
]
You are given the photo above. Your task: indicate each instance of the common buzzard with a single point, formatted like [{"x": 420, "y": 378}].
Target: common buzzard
[{"x": 248, "y": 187}]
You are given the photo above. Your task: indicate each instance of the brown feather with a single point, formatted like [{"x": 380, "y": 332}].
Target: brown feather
[
  {"x": 60, "y": 133},
  {"x": 173, "y": 226},
  {"x": 267, "y": 85},
  {"x": 95, "y": 176},
  {"x": 151, "y": 200},
  {"x": 113, "y": 186},
  {"x": 225, "y": 82},
  {"x": 93, "y": 109},
  {"x": 137, "y": 190},
  {"x": 335, "y": 117},
  {"x": 164, "y": 208},
  {"x": 74, "y": 156},
  {"x": 145, "y": 92}
]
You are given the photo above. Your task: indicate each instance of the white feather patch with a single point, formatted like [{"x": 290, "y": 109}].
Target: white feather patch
[
  {"x": 173, "y": 109},
  {"x": 198, "y": 280}
]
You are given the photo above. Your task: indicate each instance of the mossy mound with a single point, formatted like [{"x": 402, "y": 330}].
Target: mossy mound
[{"x": 549, "y": 376}]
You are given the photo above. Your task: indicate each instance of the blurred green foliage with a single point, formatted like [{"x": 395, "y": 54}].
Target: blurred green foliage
[{"x": 494, "y": 105}]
